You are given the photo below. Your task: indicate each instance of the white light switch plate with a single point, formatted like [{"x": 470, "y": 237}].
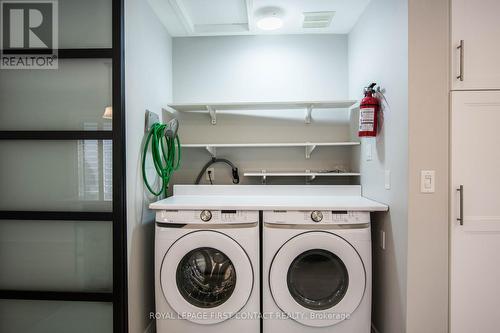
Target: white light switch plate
[{"x": 428, "y": 181}]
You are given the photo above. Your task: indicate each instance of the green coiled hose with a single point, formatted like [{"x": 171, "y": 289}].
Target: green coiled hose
[{"x": 166, "y": 157}]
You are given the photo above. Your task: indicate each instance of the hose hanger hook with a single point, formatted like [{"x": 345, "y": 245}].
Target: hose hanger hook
[{"x": 165, "y": 152}]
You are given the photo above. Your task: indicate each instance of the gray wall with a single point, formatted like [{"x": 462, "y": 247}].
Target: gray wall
[
  {"x": 148, "y": 54},
  {"x": 378, "y": 51},
  {"x": 428, "y": 218},
  {"x": 262, "y": 68}
]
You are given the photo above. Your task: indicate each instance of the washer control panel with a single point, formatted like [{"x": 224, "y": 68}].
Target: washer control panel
[
  {"x": 206, "y": 216},
  {"x": 316, "y": 217}
]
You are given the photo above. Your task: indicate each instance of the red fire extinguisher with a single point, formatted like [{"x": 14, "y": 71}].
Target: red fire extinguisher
[{"x": 368, "y": 113}]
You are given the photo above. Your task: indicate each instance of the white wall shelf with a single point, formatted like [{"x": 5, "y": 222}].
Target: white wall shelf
[
  {"x": 310, "y": 175},
  {"x": 309, "y": 146},
  {"x": 308, "y": 106}
]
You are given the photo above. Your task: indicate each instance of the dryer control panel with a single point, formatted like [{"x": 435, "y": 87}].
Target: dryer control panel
[
  {"x": 319, "y": 217},
  {"x": 207, "y": 216}
]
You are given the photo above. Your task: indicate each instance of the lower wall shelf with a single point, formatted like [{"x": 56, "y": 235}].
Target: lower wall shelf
[{"x": 310, "y": 175}]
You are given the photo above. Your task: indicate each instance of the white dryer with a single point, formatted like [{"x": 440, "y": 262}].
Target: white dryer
[
  {"x": 207, "y": 271},
  {"x": 317, "y": 272}
]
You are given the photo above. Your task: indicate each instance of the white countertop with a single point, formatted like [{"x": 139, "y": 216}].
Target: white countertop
[{"x": 268, "y": 197}]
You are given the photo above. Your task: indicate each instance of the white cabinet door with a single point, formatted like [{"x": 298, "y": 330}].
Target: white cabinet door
[
  {"x": 477, "y": 24},
  {"x": 475, "y": 244}
]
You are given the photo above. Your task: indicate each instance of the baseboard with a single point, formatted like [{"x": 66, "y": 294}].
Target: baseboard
[
  {"x": 152, "y": 327},
  {"x": 374, "y": 329}
]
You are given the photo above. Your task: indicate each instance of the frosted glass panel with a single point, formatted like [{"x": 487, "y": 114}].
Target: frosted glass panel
[
  {"x": 85, "y": 24},
  {"x": 72, "y": 97},
  {"x": 56, "y": 175},
  {"x": 55, "y": 317},
  {"x": 56, "y": 256}
]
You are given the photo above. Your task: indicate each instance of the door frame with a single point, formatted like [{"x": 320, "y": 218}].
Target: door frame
[
  {"x": 119, "y": 296},
  {"x": 120, "y": 253}
]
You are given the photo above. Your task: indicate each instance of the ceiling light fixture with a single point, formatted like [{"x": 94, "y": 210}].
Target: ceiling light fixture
[
  {"x": 270, "y": 23},
  {"x": 269, "y": 18}
]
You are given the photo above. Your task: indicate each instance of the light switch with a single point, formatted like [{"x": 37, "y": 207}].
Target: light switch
[{"x": 427, "y": 181}]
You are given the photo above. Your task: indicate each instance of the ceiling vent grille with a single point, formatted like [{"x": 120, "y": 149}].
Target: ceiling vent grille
[{"x": 317, "y": 19}]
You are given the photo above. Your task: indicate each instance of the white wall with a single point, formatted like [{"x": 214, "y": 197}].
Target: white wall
[
  {"x": 428, "y": 218},
  {"x": 378, "y": 51},
  {"x": 148, "y": 54},
  {"x": 262, "y": 68}
]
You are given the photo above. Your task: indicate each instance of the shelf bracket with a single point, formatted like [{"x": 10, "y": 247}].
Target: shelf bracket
[
  {"x": 310, "y": 178},
  {"x": 212, "y": 150},
  {"x": 213, "y": 114},
  {"x": 308, "y": 114},
  {"x": 309, "y": 150},
  {"x": 264, "y": 177}
]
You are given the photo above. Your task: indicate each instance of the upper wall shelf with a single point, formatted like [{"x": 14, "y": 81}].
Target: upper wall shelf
[{"x": 308, "y": 106}]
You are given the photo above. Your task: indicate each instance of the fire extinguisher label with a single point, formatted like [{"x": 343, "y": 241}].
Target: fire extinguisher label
[{"x": 367, "y": 119}]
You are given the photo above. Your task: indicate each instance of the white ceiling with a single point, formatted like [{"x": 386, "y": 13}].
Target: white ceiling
[{"x": 237, "y": 17}]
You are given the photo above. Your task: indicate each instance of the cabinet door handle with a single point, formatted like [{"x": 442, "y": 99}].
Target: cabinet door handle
[
  {"x": 460, "y": 218},
  {"x": 461, "y": 48}
]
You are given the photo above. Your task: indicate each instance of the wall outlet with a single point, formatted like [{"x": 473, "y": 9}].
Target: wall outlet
[{"x": 212, "y": 174}]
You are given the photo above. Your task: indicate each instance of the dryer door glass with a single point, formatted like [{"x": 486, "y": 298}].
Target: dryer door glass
[
  {"x": 206, "y": 277},
  {"x": 317, "y": 279}
]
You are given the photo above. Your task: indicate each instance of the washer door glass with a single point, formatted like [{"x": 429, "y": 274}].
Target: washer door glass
[
  {"x": 206, "y": 277},
  {"x": 317, "y": 279}
]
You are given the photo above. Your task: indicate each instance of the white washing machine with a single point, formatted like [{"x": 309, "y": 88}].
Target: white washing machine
[
  {"x": 207, "y": 271},
  {"x": 317, "y": 272}
]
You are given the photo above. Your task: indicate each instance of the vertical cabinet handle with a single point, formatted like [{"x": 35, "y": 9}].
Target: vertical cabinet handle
[
  {"x": 460, "y": 47},
  {"x": 460, "y": 218}
]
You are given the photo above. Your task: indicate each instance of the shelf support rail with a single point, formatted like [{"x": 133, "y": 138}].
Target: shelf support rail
[
  {"x": 310, "y": 178},
  {"x": 309, "y": 149},
  {"x": 264, "y": 177},
  {"x": 213, "y": 114},
  {"x": 308, "y": 113}
]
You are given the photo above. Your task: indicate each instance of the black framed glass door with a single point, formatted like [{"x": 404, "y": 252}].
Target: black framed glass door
[{"x": 62, "y": 181}]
